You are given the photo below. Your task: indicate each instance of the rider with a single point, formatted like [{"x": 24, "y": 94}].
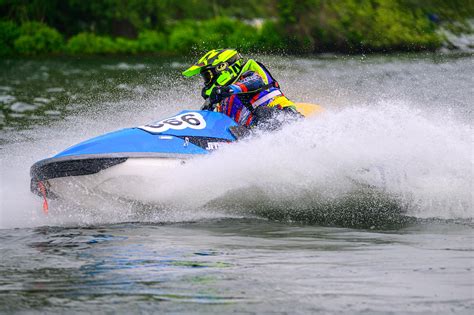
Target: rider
[{"x": 246, "y": 92}]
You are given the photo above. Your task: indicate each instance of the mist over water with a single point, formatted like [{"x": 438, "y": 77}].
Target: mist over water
[{"x": 400, "y": 127}]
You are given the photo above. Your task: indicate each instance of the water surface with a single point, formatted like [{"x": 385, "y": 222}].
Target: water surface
[{"x": 294, "y": 226}]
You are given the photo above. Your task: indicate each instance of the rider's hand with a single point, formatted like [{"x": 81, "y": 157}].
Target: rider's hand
[
  {"x": 206, "y": 105},
  {"x": 219, "y": 93}
]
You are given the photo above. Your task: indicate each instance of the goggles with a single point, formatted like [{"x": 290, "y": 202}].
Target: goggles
[{"x": 208, "y": 76}]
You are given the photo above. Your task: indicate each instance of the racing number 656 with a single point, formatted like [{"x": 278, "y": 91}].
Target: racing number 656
[
  {"x": 179, "y": 122},
  {"x": 190, "y": 119}
]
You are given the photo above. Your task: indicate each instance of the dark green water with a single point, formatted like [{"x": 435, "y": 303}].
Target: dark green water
[{"x": 286, "y": 231}]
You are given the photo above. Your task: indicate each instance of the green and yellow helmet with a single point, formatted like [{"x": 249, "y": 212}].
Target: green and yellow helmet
[{"x": 217, "y": 67}]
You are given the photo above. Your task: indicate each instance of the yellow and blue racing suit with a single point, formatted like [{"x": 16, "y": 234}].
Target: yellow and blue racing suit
[{"x": 255, "y": 87}]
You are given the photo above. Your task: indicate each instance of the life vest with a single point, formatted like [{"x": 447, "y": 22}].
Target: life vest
[
  {"x": 241, "y": 106},
  {"x": 267, "y": 95}
]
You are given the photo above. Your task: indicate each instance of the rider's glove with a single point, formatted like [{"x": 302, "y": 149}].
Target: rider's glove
[
  {"x": 219, "y": 93},
  {"x": 207, "y": 105}
]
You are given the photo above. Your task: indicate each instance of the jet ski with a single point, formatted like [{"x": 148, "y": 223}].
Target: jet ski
[{"x": 108, "y": 163}]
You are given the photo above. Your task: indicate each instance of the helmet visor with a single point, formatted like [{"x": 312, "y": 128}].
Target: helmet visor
[{"x": 207, "y": 75}]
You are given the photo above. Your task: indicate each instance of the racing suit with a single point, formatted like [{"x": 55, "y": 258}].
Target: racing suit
[{"x": 253, "y": 90}]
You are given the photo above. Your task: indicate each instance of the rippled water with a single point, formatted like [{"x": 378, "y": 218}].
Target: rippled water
[
  {"x": 242, "y": 266},
  {"x": 291, "y": 227}
]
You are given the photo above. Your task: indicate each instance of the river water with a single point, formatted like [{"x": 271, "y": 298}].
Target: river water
[{"x": 367, "y": 208}]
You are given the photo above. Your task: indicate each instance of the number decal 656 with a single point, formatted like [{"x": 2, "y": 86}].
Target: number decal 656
[{"x": 191, "y": 120}]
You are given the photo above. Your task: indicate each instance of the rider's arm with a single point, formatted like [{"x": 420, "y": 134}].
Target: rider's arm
[{"x": 249, "y": 82}]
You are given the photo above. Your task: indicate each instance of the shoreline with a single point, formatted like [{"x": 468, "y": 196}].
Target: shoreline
[{"x": 441, "y": 52}]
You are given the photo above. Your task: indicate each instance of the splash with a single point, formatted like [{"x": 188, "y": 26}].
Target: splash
[
  {"x": 355, "y": 163},
  {"x": 353, "y": 166},
  {"x": 387, "y": 156}
]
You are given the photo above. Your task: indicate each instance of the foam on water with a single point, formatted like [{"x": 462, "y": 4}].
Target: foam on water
[
  {"x": 422, "y": 163},
  {"x": 425, "y": 164}
]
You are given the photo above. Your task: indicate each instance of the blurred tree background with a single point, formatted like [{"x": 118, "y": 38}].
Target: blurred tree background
[{"x": 35, "y": 27}]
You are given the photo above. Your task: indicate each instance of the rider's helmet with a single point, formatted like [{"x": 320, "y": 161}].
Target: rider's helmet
[{"x": 217, "y": 67}]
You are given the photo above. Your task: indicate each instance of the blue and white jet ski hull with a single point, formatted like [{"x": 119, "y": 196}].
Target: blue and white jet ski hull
[{"x": 116, "y": 162}]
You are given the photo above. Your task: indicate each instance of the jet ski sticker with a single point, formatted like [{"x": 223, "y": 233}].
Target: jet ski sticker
[{"x": 191, "y": 120}]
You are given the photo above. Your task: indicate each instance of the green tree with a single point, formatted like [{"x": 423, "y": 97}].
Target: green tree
[
  {"x": 9, "y": 32},
  {"x": 37, "y": 38}
]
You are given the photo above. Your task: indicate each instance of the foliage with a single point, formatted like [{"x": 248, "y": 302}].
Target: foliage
[
  {"x": 127, "y": 17},
  {"x": 89, "y": 43},
  {"x": 9, "y": 32},
  {"x": 227, "y": 32},
  {"x": 298, "y": 18},
  {"x": 151, "y": 41},
  {"x": 272, "y": 38},
  {"x": 401, "y": 28},
  {"x": 296, "y": 26},
  {"x": 184, "y": 37},
  {"x": 209, "y": 34},
  {"x": 451, "y": 14},
  {"x": 37, "y": 38},
  {"x": 357, "y": 25}
]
